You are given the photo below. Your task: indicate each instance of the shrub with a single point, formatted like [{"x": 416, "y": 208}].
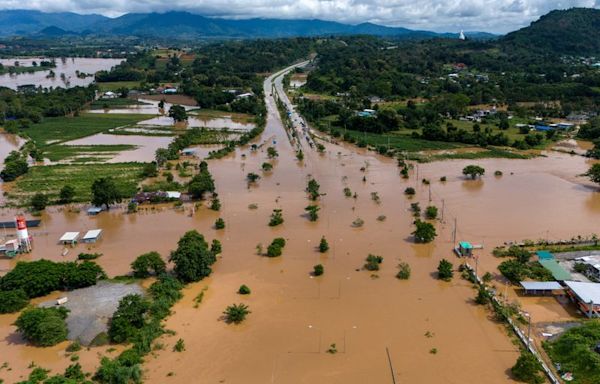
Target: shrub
[
  {"x": 445, "y": 271},
  {"x": 403, "y": 271},
  {"x": 318, "y": 270},
  {"x": 358, "y": 222},
  {"x": 147, "y": 264},
  {"x": 215, "y": 204},
  {"x": 443, "y": 179},
  {"x": 88, "y": 256},
  {"x": 372, "y": 262},
  {"x": 13, "y": 301},
  {"x": 347, "y": 192},
  {"x": 276, "y": 218},
  {"x": 236, "y": 313},
  {"x": 431, "y": 212},
  {"x": 473, "y": 171},
  {"x": 43, "y": 326},
  {"x": 220, "y": 223},
  {"x": 244, "y": 290},
  {"x": 113, "y": 371},
  {"x": 276, "y": 247},
  {"x": 312, "y": 189},
  {"x": 179, "y": 346},
  {"x": 323, "y": 245},
  {"x": 252, "y": 177},
  {"x": 410, "y": 191},
  {"x": 74, "y": 347},
  {"x": 498, "y": 173},
  {"x": 216, "y": 247},
  {"x": 267, "y": 167},
  {"x": 527, "y": 369}
]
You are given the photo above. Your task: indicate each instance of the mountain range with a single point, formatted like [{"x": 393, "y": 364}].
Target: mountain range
[{"x": 185, "y": 25}]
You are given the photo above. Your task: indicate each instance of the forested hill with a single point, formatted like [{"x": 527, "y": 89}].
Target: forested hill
[
  {"x": 573, "y": 32},
  {"x": 185, "y": 25}
]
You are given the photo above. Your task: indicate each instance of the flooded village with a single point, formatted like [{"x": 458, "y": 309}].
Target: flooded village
[{"x": 314, "y": 234}]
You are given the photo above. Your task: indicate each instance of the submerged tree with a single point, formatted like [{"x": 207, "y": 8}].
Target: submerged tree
[
  {"x": 236, "y": 313},
  {"x": 424, "y": 232},
  {"x": 473, "y": 171},
  {"x": 594, "y": 173},
  {"x": 313, "y": 212},
  {"x": 323, "y": 245},
  {"x": 178, "y": 113},
  {"x": 276, "y": 218},
  {"x": 445, "y": 271},
  {"x": 313, "y": 189},
  {"x": 192, "y": 258}
]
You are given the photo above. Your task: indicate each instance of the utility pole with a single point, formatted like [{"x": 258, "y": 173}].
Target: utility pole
[
  {"x": 454, "y": 233},
  {"x": 443, "y": 206},
  {"x": 430, "y": 193}
]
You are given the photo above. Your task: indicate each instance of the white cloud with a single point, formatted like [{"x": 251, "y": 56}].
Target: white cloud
[{"x": 438, "y": 15}]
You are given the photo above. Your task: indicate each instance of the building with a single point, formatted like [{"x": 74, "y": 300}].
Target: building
[
  {"x": 586, "y": 296},
  {"x": 69, "y": 238},
  {"x": 558, "y": 272},
  {"x": 109, "y": 95},
  {"x": 540, "y": 287},
  {"x": 92, "y": 236}
]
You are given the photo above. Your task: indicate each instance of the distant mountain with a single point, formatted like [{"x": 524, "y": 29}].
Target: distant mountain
[
  {"x": 184, "y": 25},
  {"x": 22, "y": 22},
  {"x": 574, "y": 31}
]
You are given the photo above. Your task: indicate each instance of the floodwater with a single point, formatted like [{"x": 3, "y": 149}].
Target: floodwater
[
  {"x": 379, "y": 324},
  {"x": 148, "y": 107},
  {"x": 68, "y": 68},
  {"x": 144, "y": 151},
  {"x": 225, "y": 122}
]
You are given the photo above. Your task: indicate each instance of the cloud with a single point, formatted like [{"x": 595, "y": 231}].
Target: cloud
[{"x": 438, "y": 15}]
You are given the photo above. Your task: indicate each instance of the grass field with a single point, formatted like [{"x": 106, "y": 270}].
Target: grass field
[
  {"x": 56, "y": 130},
  {"x": 51, "y": 178},
  {"x": 61, "y": 152},
  {"x": 401, "y": 142}
]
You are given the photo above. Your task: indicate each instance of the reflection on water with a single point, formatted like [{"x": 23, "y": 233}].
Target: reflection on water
[
  {"x": 216, "y": 123},
  {"x": 68, "y": 68}
]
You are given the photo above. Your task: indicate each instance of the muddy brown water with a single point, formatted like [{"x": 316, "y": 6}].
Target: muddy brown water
[
  {"x": 295, "y": 317},
  {"x": 69, "y": 67}
]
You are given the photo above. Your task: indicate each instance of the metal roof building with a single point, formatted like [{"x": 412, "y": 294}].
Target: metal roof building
[
  {"x": 557, "y": 271},
  {"x": 92, "y": 236},
  {"x": 586, "y": 295},
  {"x": 544, "y": 255}
]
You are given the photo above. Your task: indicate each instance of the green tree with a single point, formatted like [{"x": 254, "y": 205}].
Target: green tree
[
  {"x": 200, "y": 184},
  {"x": 312, "y": 189},
  {"x": 252, "y": 177},
  {"x": 267, "y": 167},
  {"x": 323, "y": 245},
  {"x": 527, "y": 369},
  {"x": 147, "y": 264},
  {"x": 192, "y": 258},
  {"x": 66, "y": 195},
  {"x": 318, "y": 270},
  {"x": 445, "y": 271},
  {"x": 150, "y": 170},
  {"x": 39, "y": 201},
  {"x": 105, "y": 192},
  {"x": 178, "y": 113},
  {"x": 424, "y": 232},
  {"x": 128, "y": 319},
  {"x": 43, "y": 326},
  {"x": 473, "y": 171},
  {"x": 313, "y": 212},
  {"x": 220, "y": 223},
  {"x": 236, "y": 313}
]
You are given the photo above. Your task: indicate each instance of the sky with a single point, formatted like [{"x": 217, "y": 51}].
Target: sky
[{"x": 498, "y": 16}]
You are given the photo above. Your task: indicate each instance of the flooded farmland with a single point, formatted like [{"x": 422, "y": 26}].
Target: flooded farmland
[
  {"x": 68, "y": 67},
  {"x": 378, "y": 323}
]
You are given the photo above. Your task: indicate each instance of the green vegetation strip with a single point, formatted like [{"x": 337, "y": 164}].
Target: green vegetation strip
[
  {"x": 61, "y": 152},
  {"x": 50, "y": 179}
]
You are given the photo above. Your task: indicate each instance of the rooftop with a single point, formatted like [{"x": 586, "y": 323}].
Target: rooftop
[
  {"x": 586, "y": 292},
  {"x": 557, "y": 271}
]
